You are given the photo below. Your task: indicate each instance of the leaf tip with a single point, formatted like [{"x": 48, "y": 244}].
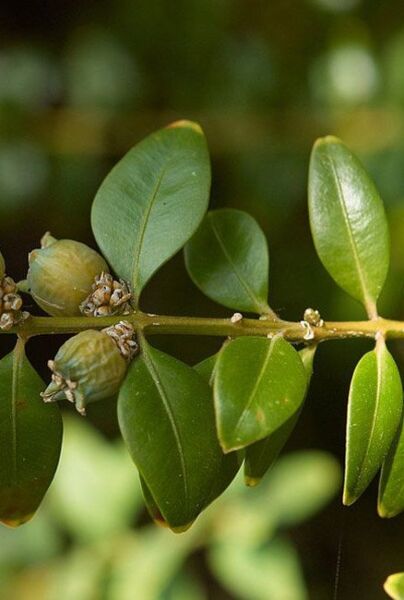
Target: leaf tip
[
  {"x": 326, "y": 140},
  {"x": 384, "y": 512},
  {"x": 17, "y": 522},
  {"x": 251, "y": 481},
  {"x": 181, "y": 528},
  {"x": 183, "y": 123},
  {"x": 348, "y": 498}
]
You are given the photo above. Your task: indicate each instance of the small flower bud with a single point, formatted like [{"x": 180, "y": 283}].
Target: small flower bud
[
  {"x": 90, "y": 366},
  {"x": 61, "y": 274}
]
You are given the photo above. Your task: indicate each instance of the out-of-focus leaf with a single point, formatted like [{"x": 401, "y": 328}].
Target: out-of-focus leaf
[
  {"x": 30, "y": 439},
  {"x": 374, "y": 412},
  {"x": 146, "y": 563},
  {"x": 259, "y": 457},
  {"x": 296, "y": 488},
  {"x": 152, "y": 202},
  {"x": 228, "y": 260},
  {"x": 96, "y": 491},
  {"x": 184, "y": 587},
  {"x": 394, "y": 586},
  {"x": 166, "y": 417},
  {"x": 259, "y": 384},
  {"x": 29, "y": 545},
  {"x": 348, "y": 222},
  {"x": 270, "y": 572},
  {"x": 79, "y": 575}
]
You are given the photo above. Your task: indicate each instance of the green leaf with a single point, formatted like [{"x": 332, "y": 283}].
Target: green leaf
[
  {"x": 231, "y": 461},
  {"x": 259, "y": 385},
  {"x": 151, "y": 505},
  {"x": 391, "y": 488},
  {"x": 30, "y": 439},
  {"x": 228, "y": 260},
  {"x": 348, "y": 222},
  {"x": 374, "y": 412},
  {"x": 259, "y": 457},
  {"x": 206, "y": 368},
  {"x": 152, "y": 202},
  {"x": 167, "y": 420},
  {"x": 394, "y": 586}
]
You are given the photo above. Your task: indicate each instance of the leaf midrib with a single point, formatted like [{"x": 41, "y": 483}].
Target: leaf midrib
[
  {"x": 139, "y": 240},
  {"x": 269, "y": 353},
  {"x": 374, "y": 418},
  {"x": 244, "y": 285},
  {"x": 355, "y": 252},
  {"x": 174, "y": 426}
]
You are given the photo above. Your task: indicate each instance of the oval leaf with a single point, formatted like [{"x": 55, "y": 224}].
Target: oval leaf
[
  {"x": 259, "y": 385},
  {"x": 259, "y": 457},
  {"x": 228, "y": 260},
  {"x": 374, "y": 412},
  {"x": 394, "y": 586},
  {"x": 30, "y": 439},
  {"x": 391, "y": 488},
  {"x": 167, "y": 420},
  {"x": 231, "y": 461},
  {"x": 152, "y": 202},
  {"x": 348, "y": 222}
]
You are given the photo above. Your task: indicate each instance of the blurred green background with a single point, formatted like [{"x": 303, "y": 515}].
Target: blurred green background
[{"x": 80, "y": 83}]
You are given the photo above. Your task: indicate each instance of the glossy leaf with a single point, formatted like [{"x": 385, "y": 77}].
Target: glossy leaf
[
  {"x": 391, "y": 488},
  {"x": 228, "y": 260},
  {"x": 259, "y": 385},
  {"x": 152, "y": 202},
  {"x": 348, "y": 222},
  {"x": 394, "y": 586},
  {"x": 374, "y": 412},
  {"x": 167, "y": 420},
  {"x": 259, "y": 457},
  {"x": 30, "y": 439},
  {"x": 151, "y": 505},
  {"x": 206, "y": 368},
  {"x": 231, "y": 461}
]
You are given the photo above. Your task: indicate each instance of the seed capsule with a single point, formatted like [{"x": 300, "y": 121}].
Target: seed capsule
[
  {"x": 61, "y": 274},
  {"x": 90, "y": 366}
]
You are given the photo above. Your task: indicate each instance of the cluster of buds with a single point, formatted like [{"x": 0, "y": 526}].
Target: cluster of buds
[
  {"x": 91, "y": 365},
  {"x": 10, "y": 301},
  {"x": 107, "y": 297}
]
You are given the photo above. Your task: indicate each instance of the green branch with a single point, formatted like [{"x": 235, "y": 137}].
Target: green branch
[{"x": 161, "y": 324}]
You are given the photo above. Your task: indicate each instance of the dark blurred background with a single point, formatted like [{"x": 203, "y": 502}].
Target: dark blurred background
[{"x": 81, "y": 82}]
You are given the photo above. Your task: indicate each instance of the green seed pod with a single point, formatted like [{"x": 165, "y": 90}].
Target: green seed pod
[
  {"x": 2, "y": 267},
  {"x": 61, "y": 274},
  {"x": 87, "y": 368}
]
